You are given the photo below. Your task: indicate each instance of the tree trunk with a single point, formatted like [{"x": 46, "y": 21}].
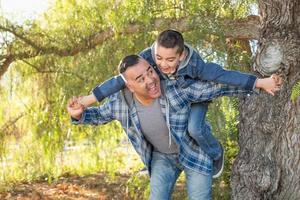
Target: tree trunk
[{"x": 268, "y": 164}]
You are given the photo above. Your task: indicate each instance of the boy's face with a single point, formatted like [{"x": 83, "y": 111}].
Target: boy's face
[
  {"x": 167, "y": 59},
  {"x": 143, "y": 80}
]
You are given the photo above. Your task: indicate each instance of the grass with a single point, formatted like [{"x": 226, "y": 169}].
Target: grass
[{"x": 113, "y": 157}]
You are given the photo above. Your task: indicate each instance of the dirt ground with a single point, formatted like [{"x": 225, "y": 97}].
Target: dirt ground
[{"x": 91, "y": 187}]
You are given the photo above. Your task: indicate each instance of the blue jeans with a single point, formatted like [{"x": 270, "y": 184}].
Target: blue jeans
[
  {"x": 165, "y": 169},
  {"x": 200, "y": 131}
]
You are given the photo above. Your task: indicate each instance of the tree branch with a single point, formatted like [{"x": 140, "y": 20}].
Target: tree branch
[
  {"x": 241, "y": 29},
  {"x": 11, "y": 122},
  {"x": 245, "y": 29},
  {"x": 5, "y": 64},
  {"x": 13, "y": 31},
  {"x": 52, "y": 71}
]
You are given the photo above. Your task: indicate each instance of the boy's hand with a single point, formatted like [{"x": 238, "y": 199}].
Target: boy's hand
[
  {"x": 278, "y": 79},
  {"x": 270, "y": 84},
  {"x": 75, "y": 108}
]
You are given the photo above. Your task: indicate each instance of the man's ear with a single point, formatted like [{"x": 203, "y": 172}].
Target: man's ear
[{"x": 129, "y": 86}]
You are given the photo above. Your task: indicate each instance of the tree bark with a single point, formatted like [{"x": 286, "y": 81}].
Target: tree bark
[{"x": 268, "y": 164}]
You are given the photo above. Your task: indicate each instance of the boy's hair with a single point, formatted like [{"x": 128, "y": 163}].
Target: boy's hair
[
  {"x": 171, "y": 39},
  {"x": 128, "y": 61}
]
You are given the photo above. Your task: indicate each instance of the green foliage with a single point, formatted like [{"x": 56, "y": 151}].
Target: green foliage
[
  {"x": 223, "y": 115},
  {"x": 295, "y": 91},
  {"x": 138, "y": 187},
  {"x": 39, "y": 87}
]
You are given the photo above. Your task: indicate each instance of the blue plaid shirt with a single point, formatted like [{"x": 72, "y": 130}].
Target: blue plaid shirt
[{"x": 175, "y": 108}]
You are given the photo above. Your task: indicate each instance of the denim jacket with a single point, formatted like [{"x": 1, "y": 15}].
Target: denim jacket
[{"x": 192, "y": 69}]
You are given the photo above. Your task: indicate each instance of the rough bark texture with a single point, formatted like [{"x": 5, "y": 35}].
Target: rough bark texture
[{"x": 268, "y": 164}]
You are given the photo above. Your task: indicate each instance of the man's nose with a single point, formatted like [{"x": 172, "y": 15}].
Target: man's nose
[{"x": 149, "y": 79}]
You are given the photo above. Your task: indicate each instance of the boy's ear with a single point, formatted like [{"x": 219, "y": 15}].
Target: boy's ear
[{"x": 182, "y": 56}]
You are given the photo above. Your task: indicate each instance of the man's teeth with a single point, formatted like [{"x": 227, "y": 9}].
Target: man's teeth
[{"x": 152, "y": 87}]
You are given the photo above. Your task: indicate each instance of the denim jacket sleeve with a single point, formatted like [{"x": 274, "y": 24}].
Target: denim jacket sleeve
[
  {"x": 214, "y": 72},
  {"x": 117, "y": 83},
  {"x": 96, "y": 115},
  {"x": 206, "y": 91},
  {"x": 109, "y": 87},
  {"x": 147, "y": 55}
]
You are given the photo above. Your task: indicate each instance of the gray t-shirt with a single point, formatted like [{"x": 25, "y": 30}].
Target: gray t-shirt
[{"x": 154, "y": 127}]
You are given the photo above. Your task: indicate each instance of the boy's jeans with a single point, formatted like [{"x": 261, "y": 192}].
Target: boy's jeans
[
  {"x": 200, "y": 131},
  {"x": 165, "y": 169}
]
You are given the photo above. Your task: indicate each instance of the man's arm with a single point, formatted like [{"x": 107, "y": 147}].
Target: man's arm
[{"x": 91, "y": 115}]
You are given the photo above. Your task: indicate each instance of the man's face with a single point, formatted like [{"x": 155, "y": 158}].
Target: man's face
[
  {"x": 143, "y": 81},
  {"x": 167, "y": 59}
]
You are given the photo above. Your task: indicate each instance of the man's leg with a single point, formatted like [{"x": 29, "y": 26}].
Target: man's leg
[
  {"x": 164, "y": 173},
  {"x": 199, "y": 186}
]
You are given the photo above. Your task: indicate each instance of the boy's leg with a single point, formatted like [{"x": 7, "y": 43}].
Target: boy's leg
[
  {"x": 200, "y": 131},
  {"x": 199, "y": 186},
  {"x": 164, "y": 173}
]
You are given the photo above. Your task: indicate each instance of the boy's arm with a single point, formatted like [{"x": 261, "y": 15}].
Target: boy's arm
[
  {"x": 88, "y": 100},
  {"x": 207, "y": 91},
  {"x": 204, "y": 91},
  {"x": 104, "y": 90},
  {"x": 270, "y": 84},
  {"x": 214, "y": 72}
]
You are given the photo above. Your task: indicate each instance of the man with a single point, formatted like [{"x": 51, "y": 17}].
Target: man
[{"x": 156, "y": 125}]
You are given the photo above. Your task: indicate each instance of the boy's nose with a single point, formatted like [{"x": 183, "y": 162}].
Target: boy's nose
[{"x": 163, "y": 65}]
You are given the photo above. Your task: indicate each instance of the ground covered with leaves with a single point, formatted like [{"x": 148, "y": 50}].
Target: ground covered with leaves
[{"x": 96, "y": 186}]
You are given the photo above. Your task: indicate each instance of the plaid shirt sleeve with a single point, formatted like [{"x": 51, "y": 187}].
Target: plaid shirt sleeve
[
  {"x": 204, "y": 91},
  {"x": 97, "y": 115}
]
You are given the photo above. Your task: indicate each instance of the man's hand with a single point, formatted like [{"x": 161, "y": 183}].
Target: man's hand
[
  {"x": 75, "y": 108},
  {"x": 270, "y": 85}
]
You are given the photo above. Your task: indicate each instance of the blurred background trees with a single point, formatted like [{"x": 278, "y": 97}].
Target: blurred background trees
[{"x": 76, "y": 45}]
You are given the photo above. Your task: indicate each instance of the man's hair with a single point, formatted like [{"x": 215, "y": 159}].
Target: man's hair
[
  {"x": 171, "y": 39},
  {"x": 128, "y": 61}
]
